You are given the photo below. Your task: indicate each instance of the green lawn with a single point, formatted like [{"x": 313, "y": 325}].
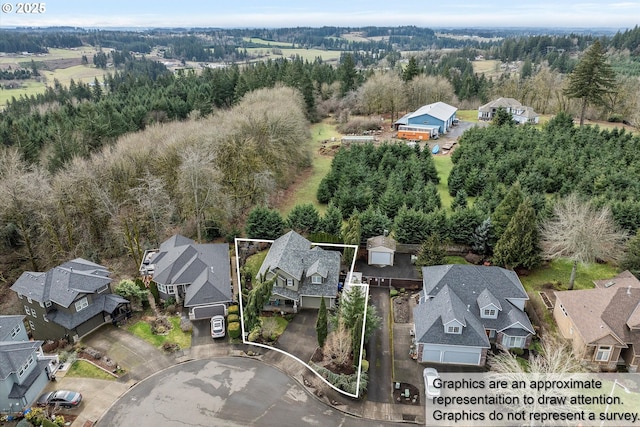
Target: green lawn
[
  {"x": 560, "y": 271},
  {"x": 142, "y": 329},
  {"x": 455, "y": 259},
  {"x": 467, "y": 115},
  {"x": 253, "y": 263},
  {"x": 280, "y": 321},
  {"x": 84, "y": 369},
  {"x": 444, "y": 166},
  {"x": 305, "y": 54},
  {"x": 266, "y": 43}
]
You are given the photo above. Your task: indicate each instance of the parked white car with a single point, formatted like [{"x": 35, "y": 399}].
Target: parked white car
[
  {"x": 217, "y": 327},
  {"x": 430, "y": 376}
]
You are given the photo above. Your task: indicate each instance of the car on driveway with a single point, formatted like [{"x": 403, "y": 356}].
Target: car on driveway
[
  {"x": 63, "y": 398},
  {"x": 217, "y": 327},
  {"x": 430, "y": 376}
]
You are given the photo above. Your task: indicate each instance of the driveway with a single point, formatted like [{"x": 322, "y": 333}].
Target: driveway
[
  {"x": 300, "y": 339},
  {"x": 379, "y": 350},
  {"x": 224, "y": 392}
]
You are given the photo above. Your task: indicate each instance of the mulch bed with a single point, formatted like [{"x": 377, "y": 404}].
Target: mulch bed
[{"x": 401, "y": 309}]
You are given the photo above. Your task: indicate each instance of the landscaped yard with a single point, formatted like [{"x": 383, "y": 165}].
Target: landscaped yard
[
  {"x": 142, "y": 329},
  {"x": 559, "y": 271},
  {"x": 444, "y": 166},
  {"x": 84, "y": 369},
  {"x": 253, "y": 263}
]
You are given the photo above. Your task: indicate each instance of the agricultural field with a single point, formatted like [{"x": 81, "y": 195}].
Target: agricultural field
[
  {"x": 488, "y": 67},
  {"x": 267, "y": 43},
  {"x": 306, "y": 54}
]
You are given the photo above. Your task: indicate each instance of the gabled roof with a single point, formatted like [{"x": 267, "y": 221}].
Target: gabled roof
[
  {"x": 431, "y": 316},
  {"x": 500, "y": 102},
  {"x": 101, "y": 303},
  {"x": 13, "y": 354},
  {"x": 381, "y": 241},
  {"x": 439, "y": 110},
  {"x": 295, "y": 256},
  {"x": 63, "y": 284},
  {"x": 450, "y": 289},
  {"x": 8, "y": 323},
  {"x": 205, "y": 268},
  {"x": 622, "y": 280}
]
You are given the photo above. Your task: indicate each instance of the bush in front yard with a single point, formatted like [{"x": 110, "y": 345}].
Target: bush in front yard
[
  {"x": 234, "y": 330},
  {"x": 233, "y": 309},
  {"x": 233, "y": 318}
]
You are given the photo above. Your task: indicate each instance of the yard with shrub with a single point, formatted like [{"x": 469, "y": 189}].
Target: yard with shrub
[
  {"x": 84, "y": 369},
  {"x": 142, "y": 329}
]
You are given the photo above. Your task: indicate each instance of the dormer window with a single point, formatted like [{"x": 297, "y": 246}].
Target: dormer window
[
  {"x": 290, "y": 282},
  {"x": 316, "y": 280},
  {"x": 453, "y": 329},
  {"x": 82, "y": 304},
  {"x": 489, "y": 312}
]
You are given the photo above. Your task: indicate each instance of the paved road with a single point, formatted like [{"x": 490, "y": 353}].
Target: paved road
[
  {"x": 224, "y": 392},
  {"x": 379, "y": 351}
]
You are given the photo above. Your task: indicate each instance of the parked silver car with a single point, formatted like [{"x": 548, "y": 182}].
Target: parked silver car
[{"x": 217, "y": 327}]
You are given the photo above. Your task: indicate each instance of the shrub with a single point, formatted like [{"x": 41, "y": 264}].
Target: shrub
[
  {"x": 402, "y": 290},
  {"x": 170, "y": 347},
  {"x": 233, "y": 318},
  {"x": 365, "y": 365},
  {"x": 393, "y": 292},
  {"x": 171, "y": 309},
  {"x": 233, "y": 309},
  {"x": 255, "y": 334},
  {"x": 50, "y": 346},
  {"x": 516, "y": 351},
  {"x": 186, "y": 325},
  {"x": 234, "y": 330}
]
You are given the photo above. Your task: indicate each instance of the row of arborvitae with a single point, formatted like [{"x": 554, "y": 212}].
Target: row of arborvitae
[{"x": 233, "y": 322}]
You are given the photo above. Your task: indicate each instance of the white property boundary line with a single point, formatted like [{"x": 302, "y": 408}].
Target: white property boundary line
[{"x": 349, "y": 276}]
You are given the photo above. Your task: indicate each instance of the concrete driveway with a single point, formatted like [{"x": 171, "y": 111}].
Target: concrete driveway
[{"x": 379, "y": 350}]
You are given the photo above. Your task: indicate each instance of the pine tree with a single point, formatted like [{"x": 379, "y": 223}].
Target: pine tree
[
  {"x": 304, "y": 219},
  {"x": 592, "y": 79},
  {"x": 411, "y": 71},
  {"x": 519, "y": 245},
  {"x": 321, "y": 323},
  {"x": 631, "y": 258},
  {"x": 331, "y": 221},
  {"x": 351, "y": 236},
  {"x": 506, "y": 209},
  {"x": 431, "y": 252}
]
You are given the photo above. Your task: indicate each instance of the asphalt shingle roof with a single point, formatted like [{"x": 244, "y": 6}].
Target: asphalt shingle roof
[
  {"x": 13, "y": 354},
  {"x": 204, "y": 267},
  {"x": 7, "y": 324},
  {"x": 455, "y": 291}
]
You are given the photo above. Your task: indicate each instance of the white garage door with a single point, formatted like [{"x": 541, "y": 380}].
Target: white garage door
[
  {"x": 380, "y": 258},
  {"x": 471, "y": 357},
  {"x": 431, "y": 356}
]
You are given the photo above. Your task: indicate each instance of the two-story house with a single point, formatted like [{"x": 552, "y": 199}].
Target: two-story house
[
  {"x": 464, "y": 309},
  {"x": 24, "y": 370},
  {"x": 304, "y": 273},
  {"x": 69, "y": 301}
]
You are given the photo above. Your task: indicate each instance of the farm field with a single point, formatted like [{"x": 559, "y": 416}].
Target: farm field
[
  {"x": 306, "y": 54},
  {"x": 488, "y": 67},
  {"x": 267, "y": 43}
]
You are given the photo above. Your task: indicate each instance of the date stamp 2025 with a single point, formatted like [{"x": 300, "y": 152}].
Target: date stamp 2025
[{"x": 23, "y": 8}]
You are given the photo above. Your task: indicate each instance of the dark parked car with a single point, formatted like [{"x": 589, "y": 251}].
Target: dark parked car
[{"x": 64, "y": 398}]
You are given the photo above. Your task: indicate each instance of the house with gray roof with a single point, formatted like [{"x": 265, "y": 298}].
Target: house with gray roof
[
  {"x": 438, "y": 115},
  {"x": 198, "y": 276},
  {"x": 465, "y": 309},
  {"x": 70, "y": 300},
  {"x": 24, "y": 370},
  {"x": 304, "y": 273},
  {"x": 520, "y": 113}
]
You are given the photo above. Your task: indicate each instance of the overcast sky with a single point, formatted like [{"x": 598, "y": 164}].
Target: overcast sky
[{"x": 253, "y": 13}]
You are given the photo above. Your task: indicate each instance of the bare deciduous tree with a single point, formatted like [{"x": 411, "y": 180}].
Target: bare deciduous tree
[
  {"x": 582, "y": 233},
  {"x": 337, "y": 348}
]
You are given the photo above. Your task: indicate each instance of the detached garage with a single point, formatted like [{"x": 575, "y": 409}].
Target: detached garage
[{"x": 381, "y": 250}]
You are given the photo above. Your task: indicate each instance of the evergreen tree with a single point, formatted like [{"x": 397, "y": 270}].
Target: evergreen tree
[
  {"x": 431, "y": 252},
  {"x": 506, "y": 209},
  {"x": 502, "y": 118},
  {"x": 264, "y": 223},
  {"x": 322, "y": 328},
  {"x": 519, "y": 245},
  {"x": 411, "y": 70},
  {"x": 460, "y": 201},
  {"x": 481, "y": 242},
  {"x": 331, "y": 221},
  {"x": 631, "y": 259},
  {"x": 373, "y": 222},
  {"x": 347, "y": 74},
  {"x": 304, "y": 219},
  {"x": 592, "y": 79},
  {"x": 351, "y": 236}
]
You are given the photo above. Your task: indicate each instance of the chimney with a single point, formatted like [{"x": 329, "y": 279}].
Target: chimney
[{"x": 629, "y": 290}]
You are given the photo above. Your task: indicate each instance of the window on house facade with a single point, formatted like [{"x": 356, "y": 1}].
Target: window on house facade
[
  {"x": 15, "y": 331},
  {"x": 33, "y": 313},
  {"x": 564, "y": 311},
  {"x": 82, "y": 304},
  {"x": 47, "y": 304},
  {"x": 603, "y": 354},
  {"x": 290, "y": 282},
  {"x": 513, "y": 342},
  {"x": 489, "y": 312},
  {"x": 32, "y": 325},
  {"x": 27, "y": 310},
  {"x": 316, "y": 280},
  {"x": 453, "y": 329},
  {"x": 171, "y": 289},
  {"x": 23, "y": 369},
  {"x": 30, "y": 300},
  {"x": 162, "y": 288},
  {"x": 102, "y": 289}
]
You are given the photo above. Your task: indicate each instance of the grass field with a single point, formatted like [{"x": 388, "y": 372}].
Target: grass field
[
  {"x": 444, "y": 166},
  {"x": 84, "y": 369},
  {"x": 467, "y": 115},
  {"x": 306, "y": 54},
  {"x": 266, "y": 43},
  {"x": 305, "y": 192},
  {"x": 559, "y": 271},
  {"x": 28, "y": 88},
  {"x": 489, "y": 67}
]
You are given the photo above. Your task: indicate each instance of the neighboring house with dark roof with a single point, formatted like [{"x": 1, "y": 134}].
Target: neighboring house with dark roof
[
  {"x": 603, "y": 324},
  {"x": 464, "y": 309},
  {"x": 24, "y": 370},
  {"x": 437, "y": 114},
  {"x": 304, "y": 273},
  {"x": 198, "y": 276},
  {"x": 520, "y": 113},
  {"x": 70, "y": 300}
]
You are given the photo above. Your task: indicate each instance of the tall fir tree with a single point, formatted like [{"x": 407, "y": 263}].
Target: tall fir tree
[
  {"x": 506, "y": 209},
  {"x": 519, "y": 245},
  {"x": 592, "y": 79},
  {"x": 322, "y": 328}
]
